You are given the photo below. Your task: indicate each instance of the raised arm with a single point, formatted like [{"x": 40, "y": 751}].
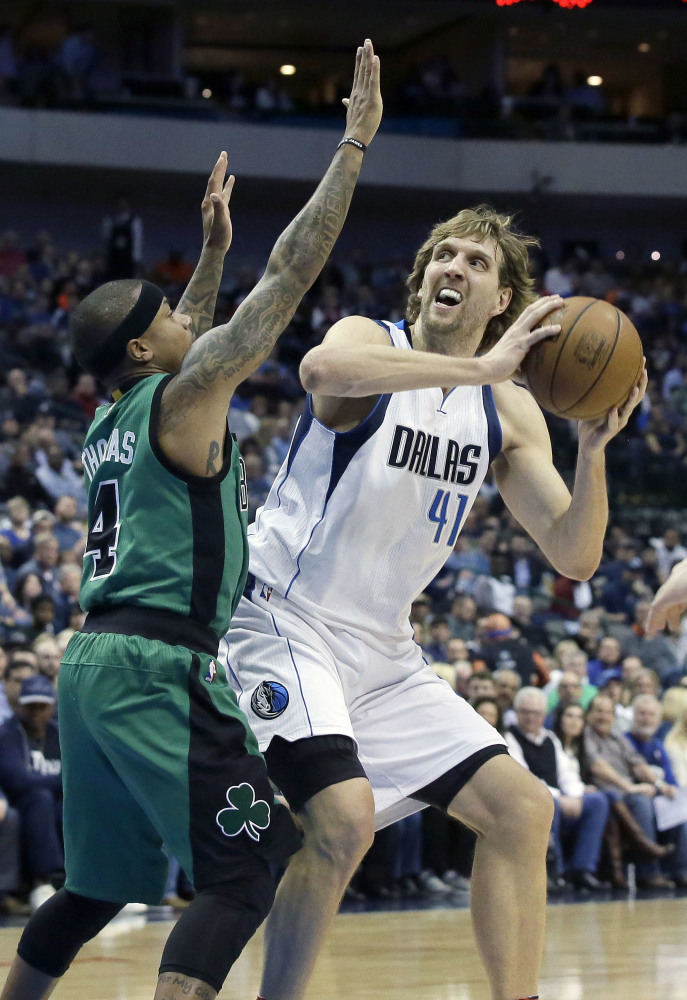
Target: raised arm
[
  {"x": 194, "y": 405},
  {"x": 569, "y": 529},
  {"x": 200, "y": 296}
]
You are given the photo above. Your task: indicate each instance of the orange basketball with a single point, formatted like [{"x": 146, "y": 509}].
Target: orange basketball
[{"x": 590, "y": 366}]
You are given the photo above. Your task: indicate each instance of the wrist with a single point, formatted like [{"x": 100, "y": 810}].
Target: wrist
[{"x": 351, "y": 140}]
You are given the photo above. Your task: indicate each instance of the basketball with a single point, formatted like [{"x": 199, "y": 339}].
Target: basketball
[{"x": 590, "y": 366}]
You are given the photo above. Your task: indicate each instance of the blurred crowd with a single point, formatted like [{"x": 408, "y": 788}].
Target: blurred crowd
[
  {"x": 588, "y": 703},
  {"x": 77, "y": 69}
]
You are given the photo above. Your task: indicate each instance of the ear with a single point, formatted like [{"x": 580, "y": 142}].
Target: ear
[
  {"x": 138, "y": 351},
  {"x": 503, "y": 301}
]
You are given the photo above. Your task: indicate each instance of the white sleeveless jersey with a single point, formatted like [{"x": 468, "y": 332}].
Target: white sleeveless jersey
[{"x": 358, "y": 523}]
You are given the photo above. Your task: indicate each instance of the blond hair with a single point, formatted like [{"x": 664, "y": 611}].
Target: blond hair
[
  {"x": 512, "y": 254},
  {"x": 674, "y": 704}
]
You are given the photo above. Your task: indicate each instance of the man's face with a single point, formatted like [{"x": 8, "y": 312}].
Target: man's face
[
  {"x": 460, "y": 290},
  {"x": 507, "y": 686},
  {"x": 480, "y": 687},
  {"x": 13, "y": 682},
  {"x": 48, "y": 659},
  {"x": 601, "y": 716},
  {"x": 47, "y": 553},
  {"x": 570, "y": 689},
  {"x": 531, "y": 714},
  {"x": 456, "y": 650},
  {"x": 647, "y": 718},
  {"x": 169, "y": 337},
  {"x": 35, "y": 717},
  {"x": 609, "y": 650}
]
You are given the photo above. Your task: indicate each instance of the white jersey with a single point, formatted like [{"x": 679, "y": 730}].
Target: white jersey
[{"x": 358, "y": 523}]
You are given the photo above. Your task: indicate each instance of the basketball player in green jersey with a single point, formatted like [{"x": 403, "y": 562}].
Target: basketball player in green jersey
[{"x": 155, "y": 750}]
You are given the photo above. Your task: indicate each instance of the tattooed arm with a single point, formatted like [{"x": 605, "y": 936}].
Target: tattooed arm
[
  {"x": 194, "y": 405},
  {"x": 198, "y": 301}
]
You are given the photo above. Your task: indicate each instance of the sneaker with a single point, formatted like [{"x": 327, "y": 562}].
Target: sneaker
[
  {"x": 14, "y": 907},
  {"x": 41, "y": 894},
  {"x": 133, "y": 908},
  {"x": 176, "y": 902},
  {"x": 458, "y": 883},
  {"x": 408, "y": 886},
  {"x": 432, "y": 884}
]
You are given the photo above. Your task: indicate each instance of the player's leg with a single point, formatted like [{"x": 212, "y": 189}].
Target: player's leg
[
  {"x": 511, "y": 812},
  {"x": 324, "y": 783}
]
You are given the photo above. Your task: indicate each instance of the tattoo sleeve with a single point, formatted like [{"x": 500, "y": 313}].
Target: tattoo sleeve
[
  {"x": 231, "y": 352},
  {"x": 200, "y": 297}
]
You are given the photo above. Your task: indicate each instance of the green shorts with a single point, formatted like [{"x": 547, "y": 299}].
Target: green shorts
[{"x": 158, "y": 760}]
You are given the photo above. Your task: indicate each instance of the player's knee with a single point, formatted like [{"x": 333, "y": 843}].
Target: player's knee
[
  {"x": 343, "y": 840},
  {"x": 530, "y": 809}
]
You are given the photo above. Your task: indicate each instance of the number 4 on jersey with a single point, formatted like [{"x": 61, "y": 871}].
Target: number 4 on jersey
[
  {"x": 104, "y": 533},
  {"x": 438, "y": 514}
]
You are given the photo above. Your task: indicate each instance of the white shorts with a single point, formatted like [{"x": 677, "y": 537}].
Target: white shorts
[{"x": 296, "y": 677}]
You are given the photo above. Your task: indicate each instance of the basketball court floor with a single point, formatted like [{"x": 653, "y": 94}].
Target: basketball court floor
[{"x": 608, "y": 949}]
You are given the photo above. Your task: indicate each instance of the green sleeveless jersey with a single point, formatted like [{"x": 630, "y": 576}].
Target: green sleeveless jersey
[{"x": 159, "y": 537}]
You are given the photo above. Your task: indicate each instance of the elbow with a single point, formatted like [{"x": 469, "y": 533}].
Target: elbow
[{"x": 313, "y": 371}]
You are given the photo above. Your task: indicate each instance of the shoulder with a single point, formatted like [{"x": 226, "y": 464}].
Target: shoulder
[
  {"x": 357, "y": 330},
  {"x": 520, "y": 415}
]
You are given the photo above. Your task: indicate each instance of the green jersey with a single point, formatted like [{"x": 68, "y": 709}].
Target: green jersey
[{"x": 158, "y": 537}]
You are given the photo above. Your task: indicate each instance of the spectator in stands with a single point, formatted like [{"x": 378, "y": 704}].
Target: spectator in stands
[
  {"x": 123, "y": 236},
  {"x": 46, "y": 553},
  {"x": 669, "y": 550},
  {"x": 42, "y": 617},
  {"x": 489, "y": 709},
  {"x": 676, "y": 738},
  {"x": 642, "y": 736},
  {"x": 439, "y": 636},
  {"x": 568, "y": 692},
  {"x": 521, "y": 618},
  {"x": 68, "y": 595},
  {"x": 20, "y": 665},
  {"x": 58, "y": 478},
  {"x": 624, "y": 775},
  {"x": 507, "y": 683},
  {"x": 500, "y": 647},
  {"x": 30, "y": 774},
  {"x": 463, "y": 617},
  {"x": 19, "y": 478},
  {"x": 579, "y": 813},
  {"x": 66, "y": 529},
  {"x": 10, "y": 857},
  {"x": 480, "y": 685},
  {"x": 658, "y": 654},
  {"x": 85, "y": 395},
  {"x": 48, "y": 657},
  {"x": 609, "y": 656}
]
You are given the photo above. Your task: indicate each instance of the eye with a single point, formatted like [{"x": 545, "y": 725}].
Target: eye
[{"x": 479, "y": 261}]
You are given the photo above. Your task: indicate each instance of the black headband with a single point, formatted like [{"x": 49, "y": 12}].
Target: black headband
[{"x": 112, "y": 350}]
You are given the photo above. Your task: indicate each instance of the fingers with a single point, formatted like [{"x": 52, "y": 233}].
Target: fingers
[
  {"x": 542, "y": 307},
  {"x": 228, "y": 188},
  {"x": 549, "y": 330},
  {"x": 217, "y": 175}
]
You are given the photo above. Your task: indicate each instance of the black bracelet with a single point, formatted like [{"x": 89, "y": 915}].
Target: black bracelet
[{"x": 348, "y": 140}]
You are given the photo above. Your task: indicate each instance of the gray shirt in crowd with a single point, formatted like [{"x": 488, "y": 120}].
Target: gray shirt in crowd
[{"x": 616, "y": 750}]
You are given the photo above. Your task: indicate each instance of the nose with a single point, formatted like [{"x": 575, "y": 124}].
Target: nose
[{"x": 455, "y": 266}]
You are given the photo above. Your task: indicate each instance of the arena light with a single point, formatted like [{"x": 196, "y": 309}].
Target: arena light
[
  {"x": 287, "y": 69},
  {"x": 655, "y": 255},
  {"x": 567, "y": 4},
  {"x": 595, "y": 81}
]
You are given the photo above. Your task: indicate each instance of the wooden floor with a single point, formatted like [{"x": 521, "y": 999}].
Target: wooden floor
[{"x": 595, "y": 951}]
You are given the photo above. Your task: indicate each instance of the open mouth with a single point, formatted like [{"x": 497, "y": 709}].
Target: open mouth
[{"x": 448, "y": 298}]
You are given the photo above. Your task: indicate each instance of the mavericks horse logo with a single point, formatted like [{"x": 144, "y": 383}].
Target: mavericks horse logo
[{"x": 269, "y": 699}]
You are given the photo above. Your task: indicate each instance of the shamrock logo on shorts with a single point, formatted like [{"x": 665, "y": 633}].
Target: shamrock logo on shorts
[{"x": 244, "y": 812}]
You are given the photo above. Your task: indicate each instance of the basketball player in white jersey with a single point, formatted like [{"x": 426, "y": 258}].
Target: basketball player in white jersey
[{"x": 400, "y": 427}]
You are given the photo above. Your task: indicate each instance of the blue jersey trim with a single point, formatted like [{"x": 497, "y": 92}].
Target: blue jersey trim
[
  {"x": 346, "y": 445},
  {"x": 495, "y": 435},
  {"x": 300, "y": 686},
  {"x": 380, "y": 322}
]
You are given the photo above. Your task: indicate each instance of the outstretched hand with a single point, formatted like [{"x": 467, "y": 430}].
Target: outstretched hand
[
  {"x": 595, "y": 434},
  {"x": 669, "y": 603},
  {"x": 365, "y": 103},
  {"x": 217, "y": 231}
]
